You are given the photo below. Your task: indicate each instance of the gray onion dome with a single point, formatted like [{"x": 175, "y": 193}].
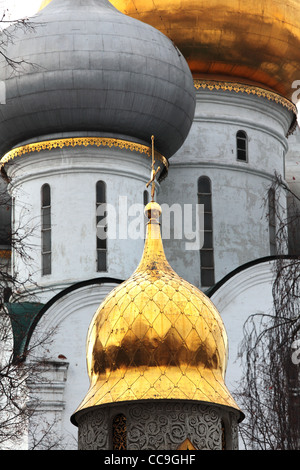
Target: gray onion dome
[{"x": 91, "y": 69}]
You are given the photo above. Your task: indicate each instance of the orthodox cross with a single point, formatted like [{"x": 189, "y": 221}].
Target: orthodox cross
[{"x": 153, "y": 172}]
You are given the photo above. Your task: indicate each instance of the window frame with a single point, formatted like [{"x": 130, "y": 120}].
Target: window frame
[
  {"x": 241, "y": 135},
  {"x": 46, "y": 231},
  {"x": 101, "y": 250},
  {"x": 207, "y": 251}
]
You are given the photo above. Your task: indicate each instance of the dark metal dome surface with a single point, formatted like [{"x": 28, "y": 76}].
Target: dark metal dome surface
[{"x": 93, "y": 69}]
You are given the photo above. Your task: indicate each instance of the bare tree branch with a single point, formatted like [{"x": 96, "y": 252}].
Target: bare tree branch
[
  {"x": 8, "y": 36},
  {"x": 270, "y": 392}
]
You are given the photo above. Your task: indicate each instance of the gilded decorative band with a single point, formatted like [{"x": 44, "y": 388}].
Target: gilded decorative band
[
  {"x": 248, "y": 89},
  {"x": 80, "y": 141}
]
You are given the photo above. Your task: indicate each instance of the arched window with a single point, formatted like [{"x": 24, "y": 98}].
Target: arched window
[
  {"x": 207, "y": 251},
  {"x": 146, "y": 197},
  {"x": 241, "y": 146},
  {"x": 46, "y": 229},
  {"x": 101, "y": 215},
  {"x": 272, "y": 221},
  {"x": 145, "y": 201},
  {"x": 119, "y": 432}
]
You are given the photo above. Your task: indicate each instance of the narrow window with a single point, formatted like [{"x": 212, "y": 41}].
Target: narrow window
[
  {"x": 46, "y": 229},
  {"x": 119, "y": 432},
  {"x": 101, "y": 215},
  {"x": 242, "y": 146},
  {"x": 223, "y": 436},
  {"x": 272, "y": 221},
  {"x": 206, "y": 252},
  {"x": 146, "y": 198}
]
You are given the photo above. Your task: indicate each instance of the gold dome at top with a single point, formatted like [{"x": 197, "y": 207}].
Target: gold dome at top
[
  {"x": 156, "y": 337},
  {"x": 44, "y": 4},
  {"x": 253, "y": 42},
  {"x": 257, "y": 43}
]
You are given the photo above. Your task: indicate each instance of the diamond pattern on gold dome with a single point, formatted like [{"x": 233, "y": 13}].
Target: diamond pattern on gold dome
[{"x": 156, "y": 337}]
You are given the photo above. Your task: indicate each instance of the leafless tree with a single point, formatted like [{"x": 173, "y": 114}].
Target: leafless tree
[
  {"x": 19, "y": 375},
  {"x": 16, "y": 372},
  {"x": 270, "y": 390},
  {"x": 8, "y": 29}
]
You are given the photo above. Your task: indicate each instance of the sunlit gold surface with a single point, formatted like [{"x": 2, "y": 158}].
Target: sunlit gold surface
[
  {"x": 156, "y": 337},
  {"x": 186, "y": 445},
  {"x": 258, "y": 42},
  {"x": 44, "y": 4}
]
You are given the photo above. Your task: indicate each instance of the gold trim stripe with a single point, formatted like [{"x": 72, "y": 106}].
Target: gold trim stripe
[
  {"x": 80, "y": 141},
  {"x": 243, "y": 88}
]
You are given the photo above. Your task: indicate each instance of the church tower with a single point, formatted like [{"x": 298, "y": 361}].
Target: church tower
[{"x": 156, "y": 356}]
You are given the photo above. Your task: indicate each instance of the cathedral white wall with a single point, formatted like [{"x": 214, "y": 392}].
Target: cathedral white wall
[
  {"x": 64, "y": 381},
  {"x": 248, "y": 292},
  {"x": 72, "y": 174},
  {"x": 240, "y": 225},
  {"x": 239, "y": 189}
]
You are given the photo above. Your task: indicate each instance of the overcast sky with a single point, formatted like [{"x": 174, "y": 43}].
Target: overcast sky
[{"x": 20, "y": 8}]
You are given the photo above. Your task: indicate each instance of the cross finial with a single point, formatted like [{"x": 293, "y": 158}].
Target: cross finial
[{"x": 153, "y": 172}]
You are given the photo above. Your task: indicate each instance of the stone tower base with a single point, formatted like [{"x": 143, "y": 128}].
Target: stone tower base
[{"x": 158, "y": 425}]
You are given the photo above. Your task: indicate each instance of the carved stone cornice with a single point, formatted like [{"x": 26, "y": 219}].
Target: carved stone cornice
[
  {"x": 244, "y": 88},
  {"x": 249, "y": 90},
  {"x": 83, "y": 142}
]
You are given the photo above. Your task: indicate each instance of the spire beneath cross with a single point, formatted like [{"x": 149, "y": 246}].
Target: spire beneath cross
[{"x": 153, "y": 172}]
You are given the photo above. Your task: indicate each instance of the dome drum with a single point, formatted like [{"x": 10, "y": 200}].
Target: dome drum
[
  {"x": 155, "y": 337},
  {"x": 158, "y": 425},
  {"x": 156, "y": 357}
]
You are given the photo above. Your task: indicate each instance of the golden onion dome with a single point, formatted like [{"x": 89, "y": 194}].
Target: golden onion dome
[
  {"x": 156, "y": 337},
  {"x": 253, "y": 42},
  {"x": 44, "y": 4}
]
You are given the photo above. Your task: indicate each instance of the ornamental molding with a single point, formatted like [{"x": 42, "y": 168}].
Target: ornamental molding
[
  {"x": 49, "y": 145},
  {"x": 244, "y": 88},
  {"x": 159, "y": 426}
]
